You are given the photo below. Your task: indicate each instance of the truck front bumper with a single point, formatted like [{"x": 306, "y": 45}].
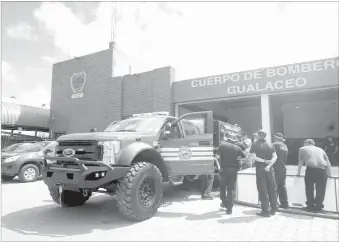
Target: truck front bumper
[{"x": 84, "y": 175}]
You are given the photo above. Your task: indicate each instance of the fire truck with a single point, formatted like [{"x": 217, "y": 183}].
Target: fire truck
[{"x": 132, "y": 158}]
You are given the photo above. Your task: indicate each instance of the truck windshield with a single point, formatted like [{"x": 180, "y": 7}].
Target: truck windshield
[{"x": 144, "y": 125}]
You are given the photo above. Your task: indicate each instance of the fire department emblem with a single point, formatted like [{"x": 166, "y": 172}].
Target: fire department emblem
[
  {"x": 78, "y": 81},
  {"x": 185, "y": 153}
]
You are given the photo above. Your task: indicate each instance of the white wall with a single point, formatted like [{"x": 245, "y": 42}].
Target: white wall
[
  {"x": 248, "y": 118},
  {"x": 311, "y": 119}
]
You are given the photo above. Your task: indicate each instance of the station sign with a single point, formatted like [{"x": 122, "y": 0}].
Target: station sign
[{"x": 307, "y": 75}]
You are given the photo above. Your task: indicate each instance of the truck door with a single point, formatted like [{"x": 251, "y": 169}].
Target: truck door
[{"x": 186, "y": 151}]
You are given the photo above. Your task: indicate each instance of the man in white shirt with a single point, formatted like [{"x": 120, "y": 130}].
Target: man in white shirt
[{"x": 318, "y": 168}]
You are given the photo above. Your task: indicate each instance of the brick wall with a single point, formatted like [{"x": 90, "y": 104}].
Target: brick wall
[
  {"x": 147, "y": 92},
  {"x": 106, "y": 98}
]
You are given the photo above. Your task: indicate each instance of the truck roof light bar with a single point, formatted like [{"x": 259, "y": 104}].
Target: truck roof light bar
[{"x": 151, "y": 114}]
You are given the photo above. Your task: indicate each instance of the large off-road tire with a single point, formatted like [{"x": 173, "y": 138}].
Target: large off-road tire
[
  {"x": 140, "y": 192},
  {"x": 69, "y": 198},
  {"x": 29, "y": 173},
  {"x": 7, "y": 178}
]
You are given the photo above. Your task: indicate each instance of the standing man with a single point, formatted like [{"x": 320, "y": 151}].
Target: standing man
[
  {"x": 264, "y": 155},
  {"x": 318, "y": 167},
  {"x": 230, "y": 156},
  {"x": 280, "y": 168},
  {"x": 331, "y": 149}
]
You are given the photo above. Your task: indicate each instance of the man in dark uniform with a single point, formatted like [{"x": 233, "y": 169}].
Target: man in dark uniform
[
  {"x": 230, "y": 156},
  {"x": 280, "y": 169},
  {"x": 264, "y": 155}
]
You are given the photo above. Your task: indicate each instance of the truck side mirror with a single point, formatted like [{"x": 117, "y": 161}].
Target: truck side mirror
[
  {"x": 166, "y": 131},
  {"x": 168, "y": 127}
]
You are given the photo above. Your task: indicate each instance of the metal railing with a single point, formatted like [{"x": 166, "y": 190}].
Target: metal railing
[
  {"x": 327, "y": 199},
  {"x": 8, "y": 139}
]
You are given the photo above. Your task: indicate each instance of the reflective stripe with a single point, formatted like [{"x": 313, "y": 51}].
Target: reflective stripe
[
  {"x": 209, "y": 148},
  {"x": 196, "y": 148},
  {"x": 169, "y": 149},
  {"x": 169, "y": 154},
  {"x": 196, "y": 158}
]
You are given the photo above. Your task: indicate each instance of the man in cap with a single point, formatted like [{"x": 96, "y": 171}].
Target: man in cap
[
  {"x": 264, "y": 155},
  {"x": 230, "y": 155},
  {"x": 280, "y": 168},
  {"x": 318, "y": 168}
]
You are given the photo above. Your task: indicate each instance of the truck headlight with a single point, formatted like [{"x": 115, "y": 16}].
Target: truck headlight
[
  {"x": 11, "y": 159},
  {"x": 110, "y": 149}
]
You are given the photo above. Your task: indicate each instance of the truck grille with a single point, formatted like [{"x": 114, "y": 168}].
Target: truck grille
[{"x": 84, "y": 150}]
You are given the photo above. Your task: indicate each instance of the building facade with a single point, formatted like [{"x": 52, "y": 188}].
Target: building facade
[{"x": 299, "y": 100}]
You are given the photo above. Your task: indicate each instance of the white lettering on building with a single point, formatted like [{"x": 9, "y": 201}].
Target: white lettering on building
[{"x": 289, "y": 71}]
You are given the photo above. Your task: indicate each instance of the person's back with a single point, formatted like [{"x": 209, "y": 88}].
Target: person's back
[
  {"x": 313, "y": 156},
  {"x": 282, "y": 153},
  {"x": 228, "y": 155},
  {"x": 263, "y": 150}
]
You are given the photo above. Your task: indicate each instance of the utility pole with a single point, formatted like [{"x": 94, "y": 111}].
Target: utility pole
[{"x": 113, "y": 33}]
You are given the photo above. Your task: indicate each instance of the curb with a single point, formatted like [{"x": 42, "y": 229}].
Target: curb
[{"x": 293, "y": 211}]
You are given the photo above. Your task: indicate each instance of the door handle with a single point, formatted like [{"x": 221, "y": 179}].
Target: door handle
[{"x": 204, "y": 142}]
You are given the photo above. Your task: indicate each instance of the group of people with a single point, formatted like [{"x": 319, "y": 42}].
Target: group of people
[{"x": 270, "y": 164}]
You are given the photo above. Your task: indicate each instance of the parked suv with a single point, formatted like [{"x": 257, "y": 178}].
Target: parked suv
[
  {"x": 25, "y": 161},
  {"x": 130, "y": 159}
]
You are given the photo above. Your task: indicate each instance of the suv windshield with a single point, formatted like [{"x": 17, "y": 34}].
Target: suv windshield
[
  {"x": 144, "y": 125},
  {"x": 11, "y": 147},
  {"x": 32, "y": 147}
]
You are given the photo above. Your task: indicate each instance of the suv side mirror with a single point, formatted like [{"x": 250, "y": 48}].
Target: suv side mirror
[{"x": 48, "y": 150}]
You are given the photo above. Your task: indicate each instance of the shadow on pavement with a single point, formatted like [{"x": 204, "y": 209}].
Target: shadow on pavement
[
  {"x": 296, "y": 216},
  {"x": 50, "y": 220},
  {"x": 208, "y": 215},
  {"x": 17, "y": 181},
  {"x": 247, "y": 219},
  {"x": 251, "y": 212},
  {"x": 99, "y": 213}
]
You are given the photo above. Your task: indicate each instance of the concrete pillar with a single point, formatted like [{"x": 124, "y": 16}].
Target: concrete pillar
[{"x": 266, "y": 115}]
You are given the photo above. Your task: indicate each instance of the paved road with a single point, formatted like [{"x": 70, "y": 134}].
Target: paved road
[{"x": 29, "y": 214}]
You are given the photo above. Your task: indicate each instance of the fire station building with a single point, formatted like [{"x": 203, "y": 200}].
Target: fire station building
[{"x": 299, "y": 100}]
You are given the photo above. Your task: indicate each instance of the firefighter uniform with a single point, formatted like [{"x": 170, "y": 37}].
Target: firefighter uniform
[
  {"x": 280, "y": 169},
  {"x": 230, "y": 164},
  {"x": 265, "y": 179}
]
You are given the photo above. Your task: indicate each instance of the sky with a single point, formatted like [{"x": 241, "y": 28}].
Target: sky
[{"x": 196, "y": 38}]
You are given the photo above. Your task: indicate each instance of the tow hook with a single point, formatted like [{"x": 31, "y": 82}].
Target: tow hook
[
  {"x": 60, "y": 190},
  {"x": 85, "y": 193}
]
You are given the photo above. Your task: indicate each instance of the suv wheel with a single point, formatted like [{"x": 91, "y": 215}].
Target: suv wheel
[
  {"x": 7, "y": 178},
  {"x": 140, "y": 192},
  {"x": 29, "y": 173},
  {"x": 69, "y": 198}
]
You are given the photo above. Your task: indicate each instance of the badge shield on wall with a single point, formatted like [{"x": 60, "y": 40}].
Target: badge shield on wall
[{"x": 78, "y": 81}]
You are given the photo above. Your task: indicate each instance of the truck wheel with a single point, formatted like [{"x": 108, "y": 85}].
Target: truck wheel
[
  {"x": 29, "y": 173},
  {"x": 140, "y": 192},
  {"x": 69, "y": 198},
  {"x": 7, "y": 178}
]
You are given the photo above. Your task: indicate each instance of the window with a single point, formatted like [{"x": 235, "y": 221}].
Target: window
[
  {"x": 189, "y": 128},
  {"x": 138, "y": 124},
  {"x": 175, "y": 132}
]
